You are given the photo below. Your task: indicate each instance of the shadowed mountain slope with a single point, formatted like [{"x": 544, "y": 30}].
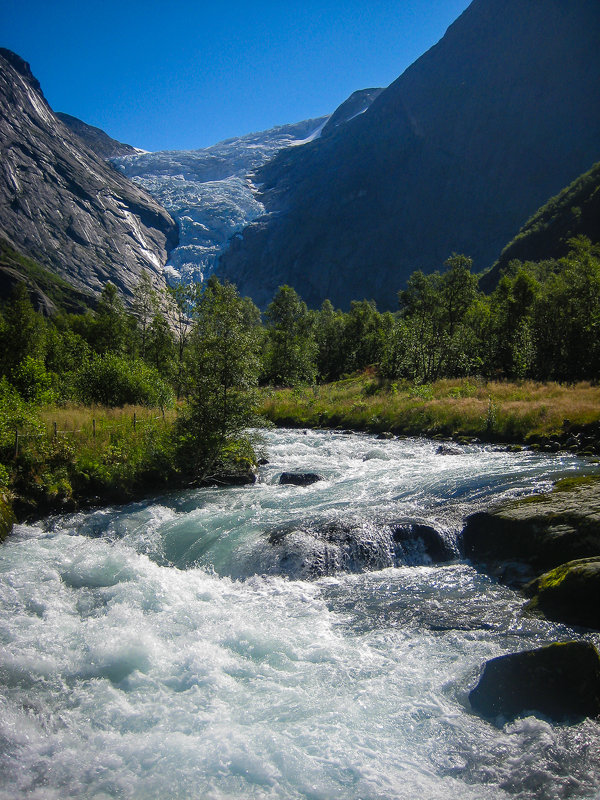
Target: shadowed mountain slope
[{"x": 454, "y": 156}]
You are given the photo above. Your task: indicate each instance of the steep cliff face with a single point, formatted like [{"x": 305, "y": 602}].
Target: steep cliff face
[
  {"x": 453, "y": 157},
  {"x": 96, "y": 139},
  {"x": 61, "y": 205}
]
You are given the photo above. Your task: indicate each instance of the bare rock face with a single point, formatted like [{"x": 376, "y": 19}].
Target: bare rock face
[
  {"x": 62, "y": 206},
  {"x": 96, "y": 139}
]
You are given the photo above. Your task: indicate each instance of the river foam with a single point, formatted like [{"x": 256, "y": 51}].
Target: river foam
[{"x": 137, "y": 663}]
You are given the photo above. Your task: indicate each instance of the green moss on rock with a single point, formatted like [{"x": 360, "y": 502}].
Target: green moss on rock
[{"x": 570, "y": 593}]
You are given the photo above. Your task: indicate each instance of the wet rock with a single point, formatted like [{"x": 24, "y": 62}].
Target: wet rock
[
  {"x": 385, "y": 435},
  {"x": 560, "y": 681},
  {"x": 543, "y": 531},
  {"x": 570, "y": 593},
  {"x": 433, "y": 542},
  {"x": 448, "y": 450},
  {"x": 299, "y": 478}
]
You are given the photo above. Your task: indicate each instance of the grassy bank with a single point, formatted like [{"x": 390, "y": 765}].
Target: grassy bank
[
  {"x": 71, "y": 457},
  {"x": 524, "y": 412}
]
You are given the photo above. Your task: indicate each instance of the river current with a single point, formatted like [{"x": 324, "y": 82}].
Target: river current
[{"x": 273, "y": 641}]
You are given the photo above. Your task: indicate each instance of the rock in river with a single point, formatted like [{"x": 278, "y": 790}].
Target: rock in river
[
  {"x": 543, "y": 531},
  {"x": 570, "y": 593},
  {"x": 560, "y": 681},
  {"x": 299, "y": 478}
]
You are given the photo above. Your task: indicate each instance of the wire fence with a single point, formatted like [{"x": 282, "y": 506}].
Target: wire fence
[{"x": 136, "y": 422}]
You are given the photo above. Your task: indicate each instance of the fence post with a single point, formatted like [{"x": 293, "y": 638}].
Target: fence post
[
  {"x": 55, "y": 431},
  {"x": 94, "y": 428},
  {"x": 16, "y": 442},
  {"x": 134, "y": 420}
]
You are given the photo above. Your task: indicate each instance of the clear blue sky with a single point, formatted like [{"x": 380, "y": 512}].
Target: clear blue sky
[{"x": 187, "y": 74}]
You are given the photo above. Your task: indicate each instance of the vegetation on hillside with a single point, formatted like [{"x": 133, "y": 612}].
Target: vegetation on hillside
[{"x": 575, "y": 211}]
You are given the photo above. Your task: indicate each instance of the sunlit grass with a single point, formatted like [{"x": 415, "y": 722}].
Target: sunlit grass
[{"x": 467, "y": 407}]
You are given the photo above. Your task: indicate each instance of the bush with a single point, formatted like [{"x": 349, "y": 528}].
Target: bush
[{"x": 112, "y": 380}]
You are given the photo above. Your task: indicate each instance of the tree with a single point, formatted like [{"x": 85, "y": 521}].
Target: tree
[
  {"x": 110, "y": 328},
  {"x": 224, "y": 365},
  {"x": 144, "y": 308},
  {"x": 291, "y": 349}
]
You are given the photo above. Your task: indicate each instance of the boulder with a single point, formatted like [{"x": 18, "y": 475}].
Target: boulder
[
  {"x": 385, "y": 435},
  {"x": 299, "y": 478},
  {"x": 449, "y": 450},
  {"x": 434, "y": 544},
  {"x": 560, "y": 681},
  {"x": 570, "y": 593},
  {"x": 543, "y": 531}
]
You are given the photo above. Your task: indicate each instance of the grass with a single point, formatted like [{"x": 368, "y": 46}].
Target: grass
[
  {"x": 81, "y": 462},
  {"x": 494, "y": 411}
]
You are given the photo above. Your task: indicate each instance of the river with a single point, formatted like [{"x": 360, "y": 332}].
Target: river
[{"x": 272, "y": 641}]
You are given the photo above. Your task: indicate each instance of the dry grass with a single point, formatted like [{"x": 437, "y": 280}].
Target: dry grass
[
  {"x": 79, "y": 421},
  {"x": 493, "y": 410}
]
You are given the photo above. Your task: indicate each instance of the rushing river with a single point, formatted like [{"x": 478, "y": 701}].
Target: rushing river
[{"x": 274, "y": 642}]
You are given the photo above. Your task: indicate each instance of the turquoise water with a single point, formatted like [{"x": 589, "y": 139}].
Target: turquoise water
[{"x": 212, "y": 644}]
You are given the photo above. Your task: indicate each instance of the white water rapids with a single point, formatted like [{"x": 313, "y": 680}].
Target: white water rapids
[{"x": 204, "y": 645}]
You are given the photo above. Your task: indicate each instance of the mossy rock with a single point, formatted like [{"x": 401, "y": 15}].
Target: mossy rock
[
  {"x": 7, "y": 516},
  {"x": 543, "y": 531},
  {"x": 570, "y": 593},
  {"x": 560, "y": 681}
]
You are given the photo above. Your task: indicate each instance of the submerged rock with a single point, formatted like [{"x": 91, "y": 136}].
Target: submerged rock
[
  {"x": 299, "y": 478},
  {"x": 316, "y": 548},
  {"x": 434, "y": 544},
  {"x": 570, "y": 593},
  {"x": 449, "y": 450},
  {"x": 560, "y": 681}
]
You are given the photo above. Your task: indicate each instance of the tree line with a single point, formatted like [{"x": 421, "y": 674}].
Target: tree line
[
  {"x": 541, "y": 321},
  {"x": 212, "y": 348}
]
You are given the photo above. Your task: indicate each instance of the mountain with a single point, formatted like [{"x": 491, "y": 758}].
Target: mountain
[
  {"x": 63, "y": 206},
  {"x": 452, "y": 157},
  {"x": 96, "y": 139},
  {"x": 210, "y": 192},
  {"x": 573, "y": 212}
]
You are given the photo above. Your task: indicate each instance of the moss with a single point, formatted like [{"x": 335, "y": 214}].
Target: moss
[{"x": 7, "y": 517}]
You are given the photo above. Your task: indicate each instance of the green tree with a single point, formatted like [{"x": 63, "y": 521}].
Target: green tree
[
  {"x": 291, "y": 349},
  {"x": 223, "y": 365},
  {"x": 110, "y": 328}
]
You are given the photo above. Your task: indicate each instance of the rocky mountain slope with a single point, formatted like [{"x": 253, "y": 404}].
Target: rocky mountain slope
[
  {"x": 96, "y": 139},
  {"x": 573, "y": 212},
  {"x": 454, "y": 156},
  {"x": 62, "y": 205}
]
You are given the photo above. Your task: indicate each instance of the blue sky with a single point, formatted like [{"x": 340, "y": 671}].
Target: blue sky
[{"x": 187, "y": 74}]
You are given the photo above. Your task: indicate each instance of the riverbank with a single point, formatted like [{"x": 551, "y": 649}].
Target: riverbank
[
  {"x": 548, "y": 416},
  {"x": 61, "y": 459}
]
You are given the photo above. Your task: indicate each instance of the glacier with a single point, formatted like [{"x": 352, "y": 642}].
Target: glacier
[{"x": 209, "y": 192}]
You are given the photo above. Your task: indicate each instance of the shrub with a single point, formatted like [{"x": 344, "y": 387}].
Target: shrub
[{"x": 112, "y": 380}]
